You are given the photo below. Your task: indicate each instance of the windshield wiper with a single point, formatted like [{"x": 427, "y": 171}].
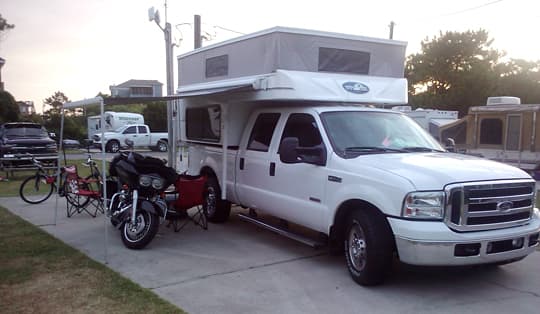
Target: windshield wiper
[
  {"x": 421, "y": 149},
  {"x": 372, "y": 150}
]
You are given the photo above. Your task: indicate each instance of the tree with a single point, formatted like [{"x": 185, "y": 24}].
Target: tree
[
  {"x": 4, "y": 25},
  {"x": 55, "y": 103},
  {"x": 9, "y": 110},
  {"x": 453, "y": 71},
  {"x": 155, "y": 116},
  {"x": 520, "y": 78}
]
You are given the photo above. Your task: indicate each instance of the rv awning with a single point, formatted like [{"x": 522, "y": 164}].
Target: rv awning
[{"x": 233, "y": 85}]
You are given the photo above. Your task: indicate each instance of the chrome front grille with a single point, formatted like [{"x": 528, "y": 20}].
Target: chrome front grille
[{"x": 492, "y": 205}]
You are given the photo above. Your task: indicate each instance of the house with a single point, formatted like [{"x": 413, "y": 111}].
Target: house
[
  {"x": 137, "y": 88},
  {"x": 26, "y": 107}
]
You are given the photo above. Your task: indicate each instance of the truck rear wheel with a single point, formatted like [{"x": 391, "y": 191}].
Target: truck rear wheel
[
  {"x": 162, "y": 146},
  {"x": 368, "y": 247},
  {"x": 215, "y": 209}
]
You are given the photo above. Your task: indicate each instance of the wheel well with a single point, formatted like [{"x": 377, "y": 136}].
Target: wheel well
[
  {"x": 337, "y": 230},
  {"x": 163, "y": 140},
  {"x": 209, "y": 172}
]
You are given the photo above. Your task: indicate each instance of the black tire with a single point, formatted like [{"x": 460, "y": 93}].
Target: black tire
[
  {"x": 368, "y": 247},
  {"x": 35, "y": 189},
  {"x": 138, "y": 236},
  {"x": 162, "y": 146},
  {"x": 112, "y": 146},
  {"x": 215, "y": 209}
]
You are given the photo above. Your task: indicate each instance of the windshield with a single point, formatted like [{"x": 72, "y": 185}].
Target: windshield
[
  {"x": 25, "y": 131},
  {"x": 354, "y": 133}
]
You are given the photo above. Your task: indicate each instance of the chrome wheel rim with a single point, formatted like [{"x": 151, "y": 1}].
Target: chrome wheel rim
[
  {"x": 136, "y": 231},
  {"x": 357, "y": 247}
]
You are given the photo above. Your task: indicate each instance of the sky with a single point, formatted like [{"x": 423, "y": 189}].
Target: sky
[{"x": 81, "y": 47}]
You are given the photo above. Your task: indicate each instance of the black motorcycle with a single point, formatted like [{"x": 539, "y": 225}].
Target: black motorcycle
[{"x": 136, "y": 207}]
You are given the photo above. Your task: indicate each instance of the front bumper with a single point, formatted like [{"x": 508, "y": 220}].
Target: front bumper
[{"x": 433, "y": 243}]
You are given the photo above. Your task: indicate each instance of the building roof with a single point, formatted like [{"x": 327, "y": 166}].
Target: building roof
[{"x": 132, "y": 83}]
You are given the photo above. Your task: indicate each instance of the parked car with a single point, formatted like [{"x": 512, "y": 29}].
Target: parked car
[
  {"x": 20, "y": 138},
  {"x": 67, "y": 143}
]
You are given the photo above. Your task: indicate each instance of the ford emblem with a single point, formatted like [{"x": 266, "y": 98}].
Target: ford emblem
[
  {"x": 504, "y": 206},
  {"x": 355, "y": 87}
]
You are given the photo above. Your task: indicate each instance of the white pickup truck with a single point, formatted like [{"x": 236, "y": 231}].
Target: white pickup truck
[
  {"x": 138, "y": 133},
  {"x": 308, "y": 147}
]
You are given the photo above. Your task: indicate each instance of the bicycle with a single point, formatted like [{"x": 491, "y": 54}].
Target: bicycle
[{"x": 39, "y": 187}]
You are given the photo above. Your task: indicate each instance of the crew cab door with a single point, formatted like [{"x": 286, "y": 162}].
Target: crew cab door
[
  {"x": 294, "y": 192},
  {"x": 143, "y": 136},
  {"x": 130, "y": 133}
]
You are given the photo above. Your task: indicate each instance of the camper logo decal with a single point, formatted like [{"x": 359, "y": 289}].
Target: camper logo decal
[{"x": 355, "y": 87}]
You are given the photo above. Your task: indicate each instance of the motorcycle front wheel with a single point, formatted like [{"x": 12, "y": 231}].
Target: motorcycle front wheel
[{"x": 137, "y": 235}]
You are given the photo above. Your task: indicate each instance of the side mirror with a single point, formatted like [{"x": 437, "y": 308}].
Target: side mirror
[
  {"x": 291, "y": 153},
  {"x": 450, "y": 145},
  {"x": 287, "y": 150}
]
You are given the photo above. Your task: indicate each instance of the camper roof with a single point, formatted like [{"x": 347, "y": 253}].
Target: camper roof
[{"x": 281, "y": 48}]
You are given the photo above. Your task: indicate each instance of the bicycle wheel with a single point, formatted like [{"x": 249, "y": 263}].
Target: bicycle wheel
[{"x": 35, "y": 189}]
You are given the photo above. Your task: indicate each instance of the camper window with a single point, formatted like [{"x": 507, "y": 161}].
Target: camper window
[
  {"x": 203, "y": 124},
  {"x": 217, "y": 66},
  {"x": 491, "y": 131},
  {"x": 343, "y": 61},
  {"x": 261, "y": 135}
]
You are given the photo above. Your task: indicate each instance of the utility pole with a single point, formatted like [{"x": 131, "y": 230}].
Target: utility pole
[
  {"x": 153, "y": 15},
  {"x": 197, "y": 31},
  {"x": 392, "y": 24}
]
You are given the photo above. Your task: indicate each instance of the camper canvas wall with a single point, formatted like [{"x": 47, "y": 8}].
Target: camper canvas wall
[{"x": 113, "y": 120}]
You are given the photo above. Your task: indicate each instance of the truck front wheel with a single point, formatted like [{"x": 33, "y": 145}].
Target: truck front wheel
[
  {"x": 368, "y": 247},
  {"x": 112, "y": 147},
  {"x": 215, "y": 209}
]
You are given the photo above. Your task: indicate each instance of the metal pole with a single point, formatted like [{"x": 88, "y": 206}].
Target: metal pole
[
  {"x": 197, "y": 31},
  {"x": 392, "y": 24},
  {"x": 170, "y": 91}
]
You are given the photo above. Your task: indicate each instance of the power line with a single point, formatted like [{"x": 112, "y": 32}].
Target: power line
[{"x": 472, "y": 8}]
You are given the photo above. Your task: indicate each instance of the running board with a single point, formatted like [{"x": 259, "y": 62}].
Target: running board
[{"x": 297, "y": 237}]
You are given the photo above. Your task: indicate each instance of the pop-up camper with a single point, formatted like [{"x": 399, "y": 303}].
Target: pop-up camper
[{"x": 504, "y": 130}]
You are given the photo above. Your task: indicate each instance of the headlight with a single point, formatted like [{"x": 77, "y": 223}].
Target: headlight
[
  {"x": 145, "y": 181},
  {"x": 423, "y": 205},
  {"x": 157, "y": 183}
]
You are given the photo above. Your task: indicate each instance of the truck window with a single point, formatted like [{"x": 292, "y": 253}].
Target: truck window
[
  {"x": 303, "y": 127},
  {"x": 131, "y": 130},
  {"x": 142, "y": 129},
  {"x": 261, "y": 135},
  {"x": 203, "y": 124}
]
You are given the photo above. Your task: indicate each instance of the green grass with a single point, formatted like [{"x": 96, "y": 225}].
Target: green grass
[{"x": 40, "y": 274}]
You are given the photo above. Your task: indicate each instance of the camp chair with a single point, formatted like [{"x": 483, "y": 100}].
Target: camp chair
[{"x": 82, "y": 194}]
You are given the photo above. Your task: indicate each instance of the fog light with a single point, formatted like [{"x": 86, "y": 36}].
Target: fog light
[
  {"x": 533, "y": 239},
  {"x": 517, "y": 243}
]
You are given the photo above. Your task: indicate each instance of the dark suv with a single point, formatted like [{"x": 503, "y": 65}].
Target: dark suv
[{"x": 19, "y": 138}]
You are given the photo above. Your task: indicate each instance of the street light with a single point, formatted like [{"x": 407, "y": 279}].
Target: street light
[{"x": 153, "y": 15}]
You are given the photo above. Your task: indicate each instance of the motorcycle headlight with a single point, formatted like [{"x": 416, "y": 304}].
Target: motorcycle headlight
[
  {"x": 158, "y": 183},
  {"x": 145, "y": 181},
  {"x": 424, "y": 205}
]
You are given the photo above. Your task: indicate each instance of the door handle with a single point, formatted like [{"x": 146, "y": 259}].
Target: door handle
[
  {"x": 241, "y": 163},
  {"x": 272, "y": 169}
]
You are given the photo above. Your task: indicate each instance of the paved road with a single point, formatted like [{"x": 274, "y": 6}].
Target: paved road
[
  {"x": 238, "y": 268},
  {"x": 96, "y": 154}
]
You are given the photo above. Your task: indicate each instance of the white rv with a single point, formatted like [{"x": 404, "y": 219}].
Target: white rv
[
  {"x": 283, "y": 122},
  {"x": 113, "y": 120},
  {"x": 431, "y": 120}
]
